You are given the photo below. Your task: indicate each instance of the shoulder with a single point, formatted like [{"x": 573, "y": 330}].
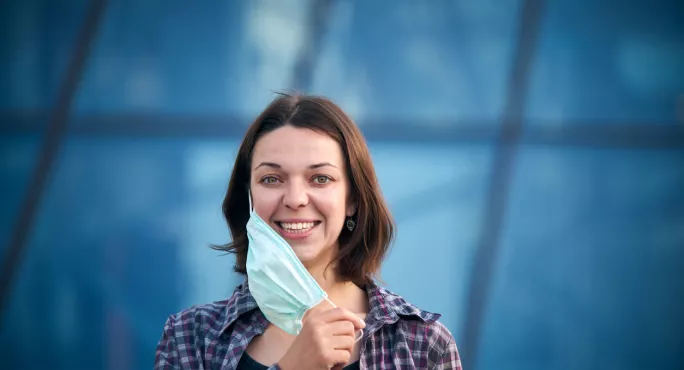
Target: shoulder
[
  {"x": 197, "y": 320},
  {"x": 183, "y": 330},
  {"x": 415, "y": 317},
  {"x": 197, "y": 325},
  {"x": 209, "y": 318},
  {"x": 421, "y": 329}
]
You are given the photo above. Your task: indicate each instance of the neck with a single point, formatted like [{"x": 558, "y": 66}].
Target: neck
[
  {"x": 326, "y": 277},
  {"x": 340, "y": 292},
  {"x": 324, "y": 273}
]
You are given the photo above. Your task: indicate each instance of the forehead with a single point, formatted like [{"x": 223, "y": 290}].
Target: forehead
[{"x": 293, "y": 146}]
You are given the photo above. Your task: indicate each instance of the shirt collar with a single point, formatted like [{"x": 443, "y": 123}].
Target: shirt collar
[
  {"x": 239, "y": 303},
  {"x": 384, "y": 307}
]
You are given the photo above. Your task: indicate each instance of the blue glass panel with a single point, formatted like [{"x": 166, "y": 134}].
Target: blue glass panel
[
  {"x": 431, "y": 62},
  {"x": 602, "y": 63},
  {"x": 436, "y": 194},
  {"x": 591, "y": 271},
  {"x": 18, "y": 157},
  {"x": 120, "y": 243},
  {"x": 37, "y": 39},
  {"x": 219, "y": 58},
  {"x": 448, "y": 61}
]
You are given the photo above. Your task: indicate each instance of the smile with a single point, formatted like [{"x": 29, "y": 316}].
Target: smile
[{"x": 296, "y": 230}]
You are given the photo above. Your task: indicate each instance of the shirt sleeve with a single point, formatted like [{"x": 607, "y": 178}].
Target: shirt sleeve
[
  {"x": 450, "y": 359},
  {"x": 166, "y": 357}
]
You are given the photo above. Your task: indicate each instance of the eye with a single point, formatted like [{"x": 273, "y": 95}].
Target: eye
[
  {"x": 322, "y": 179},
  {"x": 269, "y": 180}
]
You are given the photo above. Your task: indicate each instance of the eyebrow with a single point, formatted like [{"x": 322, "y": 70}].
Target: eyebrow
[{"x": 313, "y": 166}]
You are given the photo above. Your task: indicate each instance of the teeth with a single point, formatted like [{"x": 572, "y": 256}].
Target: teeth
[{"x": 297, "y": 226}]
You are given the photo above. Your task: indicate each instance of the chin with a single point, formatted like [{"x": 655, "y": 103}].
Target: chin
[{"x": 306, "y": 253}]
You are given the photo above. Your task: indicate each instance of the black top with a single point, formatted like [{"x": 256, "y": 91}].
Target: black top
[{"x": 248, "y": 363}]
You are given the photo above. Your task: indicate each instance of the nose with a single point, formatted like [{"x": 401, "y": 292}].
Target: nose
[{"x": 295, "y": 196}]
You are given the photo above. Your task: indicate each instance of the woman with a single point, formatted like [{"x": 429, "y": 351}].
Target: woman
[{"x": 310, "y": 230}]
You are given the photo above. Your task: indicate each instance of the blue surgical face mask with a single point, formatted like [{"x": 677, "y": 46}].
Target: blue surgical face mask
[{"x": 278, "y": 281}]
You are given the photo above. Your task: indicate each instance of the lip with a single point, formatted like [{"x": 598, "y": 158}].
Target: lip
[{"x": 296, "y": 236}]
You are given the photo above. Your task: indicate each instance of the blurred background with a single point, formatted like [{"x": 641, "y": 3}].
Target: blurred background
[{"x": 532, "y": 153}]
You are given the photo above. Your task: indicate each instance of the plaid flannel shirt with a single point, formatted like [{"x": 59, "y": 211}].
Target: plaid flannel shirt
[{"x": 398, "y": 335}]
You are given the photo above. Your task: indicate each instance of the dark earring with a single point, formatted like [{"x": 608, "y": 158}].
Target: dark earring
[{"x": 351, "y": 224}]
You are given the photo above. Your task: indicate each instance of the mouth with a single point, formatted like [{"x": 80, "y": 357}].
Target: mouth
[{"x": 296, "y": 230}]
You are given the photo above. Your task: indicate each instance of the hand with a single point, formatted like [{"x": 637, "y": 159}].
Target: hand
[{"x": 326, "y": 340}]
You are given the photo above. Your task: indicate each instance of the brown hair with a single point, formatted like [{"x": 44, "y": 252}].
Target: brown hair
[{"x": 362, "y": 250}]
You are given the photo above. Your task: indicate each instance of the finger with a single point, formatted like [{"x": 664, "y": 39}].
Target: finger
[
  {"x": 342, "y": 343},
  {"x": 338, "y": 357},
  {"x": 318, "y": 309},
  {"x": 339, "y": 314},
  {"x": 324, "y": 306},
  {"x": 342, "y": 327}
]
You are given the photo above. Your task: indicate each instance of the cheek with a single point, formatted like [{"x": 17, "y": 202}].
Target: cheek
[
  {"x": 334, "y": 211},
  {"x": 265, "y": 204}
]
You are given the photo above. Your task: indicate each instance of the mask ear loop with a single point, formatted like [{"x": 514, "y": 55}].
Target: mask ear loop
[{"x": 359, "y": 334}]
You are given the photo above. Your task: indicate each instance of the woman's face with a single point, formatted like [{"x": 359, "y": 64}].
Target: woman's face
[{"x": 300, "y": 187}]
